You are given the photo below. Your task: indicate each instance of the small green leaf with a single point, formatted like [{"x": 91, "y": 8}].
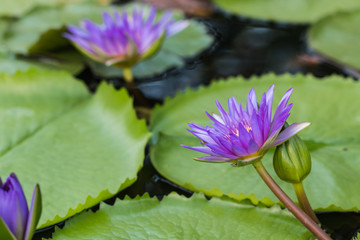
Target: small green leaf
[
  {"x": 336, "y": 37},
  {"x": 333, "y": 140},
  {"x": 5, "y": 233},
  {"x": 177, "y": 217}
]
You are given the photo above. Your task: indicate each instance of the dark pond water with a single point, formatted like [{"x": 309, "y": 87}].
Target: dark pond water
[{"x": 242, "y": 47}]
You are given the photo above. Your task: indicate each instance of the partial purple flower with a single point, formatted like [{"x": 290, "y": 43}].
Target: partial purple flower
[
  {"x": 244, "y": 136},
  {"x": 124, "y": 39},
  {"x": 16, "y": 220}
]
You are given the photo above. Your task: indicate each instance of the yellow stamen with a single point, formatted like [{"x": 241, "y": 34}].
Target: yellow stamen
[{"x": 247, "y": 127}]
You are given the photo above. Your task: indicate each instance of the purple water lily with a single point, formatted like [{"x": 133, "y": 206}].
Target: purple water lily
[
  {"x": 244, "y": 136},
  {"x": 124, "y": 40},
  {"x": 16, "y": 221}
]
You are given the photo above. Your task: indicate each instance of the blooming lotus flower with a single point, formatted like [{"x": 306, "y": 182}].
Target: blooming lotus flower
[
  {"x": 125, "y": 39},
  {"x": 16, "y": 221},
  {"x": 243, "y": 136}
]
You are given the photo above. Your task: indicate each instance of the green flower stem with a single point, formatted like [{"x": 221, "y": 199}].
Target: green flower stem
[
  {"x": 304, "y": 202},
  {"x": 139, "y": 98},
  {"x": 293, "y": 208},
  {"x": 128, "y": 76}
]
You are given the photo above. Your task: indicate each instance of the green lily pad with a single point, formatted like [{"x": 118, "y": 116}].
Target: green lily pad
[
  {"x": 68, "y": 61},
  {"x": 333, "y": 140},
  {"x": 19, "y": 7},
  {"x": 81, "y": 149},
  {"x": 294, "y": 11},
  {"x": 337, "y": 37},
  {"x": 177, "y": 217},
  {"x": 41, "y": 29}
]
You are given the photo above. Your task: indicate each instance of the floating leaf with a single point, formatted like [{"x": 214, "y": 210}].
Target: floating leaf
[
  {"x": 333, "y": 140},
  {"x": 59, "y": 61},
  {"x": 40, "y": 30},
  {"x": 177, "y": 217},
  {"x": 81, "y": 149},
  {"x": 337, "y": 37},
  {"x": 19, "y": 7},
  {"x": 294, "y": 11}
]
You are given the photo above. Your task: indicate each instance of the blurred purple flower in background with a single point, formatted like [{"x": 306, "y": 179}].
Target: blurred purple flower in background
[
  {"x": 124, "y": 39},
  {"x": 16, "y": 221},
  {"x": 244, "y": 136}
]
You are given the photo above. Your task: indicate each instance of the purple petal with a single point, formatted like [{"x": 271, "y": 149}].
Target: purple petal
[
  {"x": 199, "y": 149},
  {"x": 253, "y": 147},
  {"x": 78, "y": 32},
  {"x": 177, "y": 27},
  {"x": 223, "y": 113},
  {"x": 282, "y": 104},
  {"x": 279, "y": 121},
  {"x": 202, "y": 136},
  {"x": 269, "y": 100},
  {"x": 164, "y": 19},
  {"x": 238, "y": 147},
  {"x": 290, "y": 131},
  {"x": 251, "y": 103},
  {"x": 213, "y": 159},
  {"x": 151, "y": 17},
  {"x": 256, "y": 130},
  {"x": 108, "y": 22}
]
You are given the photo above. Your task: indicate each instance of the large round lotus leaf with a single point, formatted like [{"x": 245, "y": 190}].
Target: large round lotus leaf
[
  {"x": 337, "y": 37},
  {"x": 18, "y": 7},
  {"x": 294, "y": 11},
  {"x": 333, "y": 138},
  {"x": 81, "y": 149},
  {"x": 177, "y": 217}
]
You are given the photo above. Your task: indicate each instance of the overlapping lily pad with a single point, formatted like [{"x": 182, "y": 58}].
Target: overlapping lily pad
[
  {"x": 333, "y": 139},
  {"x": 337, "y": 37},
  {"x": 178, "y": 217},
  {"x": 294, "y": 11},
  {"x": 81, "y": 149},
  {"x": 41, "y": 31}
]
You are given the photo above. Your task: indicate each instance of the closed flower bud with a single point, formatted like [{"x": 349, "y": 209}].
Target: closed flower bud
[
  {"x": 292, "y": 161},
  {"x": 17, "y": 221}
]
